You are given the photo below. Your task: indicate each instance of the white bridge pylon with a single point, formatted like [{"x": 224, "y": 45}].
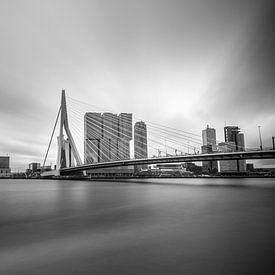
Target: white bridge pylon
[{"x": 67, "y": 153}]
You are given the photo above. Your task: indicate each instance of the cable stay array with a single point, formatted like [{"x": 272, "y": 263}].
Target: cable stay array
[
  {"x": 161, "y": 140},
  {"x": 115, "y": 144}
]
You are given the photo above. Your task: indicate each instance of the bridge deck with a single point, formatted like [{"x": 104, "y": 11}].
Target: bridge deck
[{"x": 270, "y": 154}]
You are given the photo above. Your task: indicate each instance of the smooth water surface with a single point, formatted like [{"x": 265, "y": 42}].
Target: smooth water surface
[{"x": 156, "y": 226}]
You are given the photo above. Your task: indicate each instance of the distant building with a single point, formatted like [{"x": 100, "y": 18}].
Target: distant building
[
  {"x": 209, "y": 137},
  {"x": 230, "y": 133},
  {"x": 192, "y": 167},
  {"x": 250, "y": 167},
  {"x": 227, "y": 166},
  {"x": 209, "y": 146},
  {"x": 234, "y": 141},
  {"x": 172, "y": 170},
  {"x": 34, "y": 167},
  {"x": 69, "y": 157},
  {"x": 93, "y": 135},
  {"x": 140, "y": 143},
  {"x": 5, "y": 170},
  {"x": 107, "y": 137},
  {"x": 125, "y": 133},
  {"x": 209, "y": 167}
]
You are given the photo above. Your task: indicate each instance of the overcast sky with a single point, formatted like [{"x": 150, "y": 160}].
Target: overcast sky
[{"x": 183, "y": 64}]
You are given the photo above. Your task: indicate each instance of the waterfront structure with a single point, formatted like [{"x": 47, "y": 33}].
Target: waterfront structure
[
  {"x": 209, "y": 146},
  {"x": 234, "y": 141},
  {"x": 140, "y": 143},
  {"x": 34, "y": 167},
  {"x": 250, "y": 167},
  {"x": 61, "y": 170},
  {"x": 241, "y": 147},
  {"x": 230, "y": 133},
  {"x": 125, "y": 133},
  {"x": 209, "y": 137},
  {"x": 5, "y": 170},
  {"x": 172, "y": 170},
  {"x": 68, "y": 154},
  {"x": 227, "y": 166},
  {"x": 107, "y": 136},
  {"x": 209, "y": 167},
  {"x": 92, "y": 137},
  {"x": 193, "y": 168},
  {"x": 63, "y": 149}
]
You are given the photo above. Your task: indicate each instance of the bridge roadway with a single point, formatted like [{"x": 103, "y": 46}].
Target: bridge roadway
[{"x": 268, "y": 154}]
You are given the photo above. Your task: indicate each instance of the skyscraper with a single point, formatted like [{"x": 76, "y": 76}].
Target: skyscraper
[
  {"x": 140, "y": 143},
  {"x": 125, "y": 134},
  {"x": 93, "y": 135},
  {"x": 107, "y": 136},
  {"x": 5, "y": 170},
  {"x": 209, "y": 136},
  {"x": 227, "y": 165},
  {"x": 110, "y": 135},
  {"x": 231, "y": 134},
  {"x": 234, "y": 141},
  {"x": 209, "y": 146}
]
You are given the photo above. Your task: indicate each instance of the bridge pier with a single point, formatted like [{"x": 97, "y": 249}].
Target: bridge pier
[{"x": 67, "y": 154}]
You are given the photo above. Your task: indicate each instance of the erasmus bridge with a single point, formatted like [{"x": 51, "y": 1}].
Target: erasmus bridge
[{"x": 165, "y": 145}]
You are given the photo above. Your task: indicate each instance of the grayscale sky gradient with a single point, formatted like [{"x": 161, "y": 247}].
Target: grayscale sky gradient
[{"x": 183, "y": 64}]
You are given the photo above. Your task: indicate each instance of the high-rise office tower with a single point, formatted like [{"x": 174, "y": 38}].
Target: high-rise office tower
[
  {"x": 231, "y": 135},
  {"x": 107, "y": 136},
  {"x": 210, "y": 166},
  {"x": 5, "y": 170},
  {"x": 93, "y": 135},
  {"x": 209, "y": 146},
  {"x": 109, "y": 146},
  {"x": 227, "y": 165},
  {"x": 140, "y": 143},
  {"x": 209, "y": 136},
  {"x": 241, "y": 147},
  {"x": 125, "y": 134},
  {"x": 234, "y": 141}
]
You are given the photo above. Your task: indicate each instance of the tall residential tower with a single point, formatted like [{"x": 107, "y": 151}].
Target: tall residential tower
[
  {"x": 107, "y": 136},
  {"x": 209, "y": 146},
  {"x": 209, "y": 136},
  {"x": 234, "y": 141},
  {"x": 140, "y": 143}
]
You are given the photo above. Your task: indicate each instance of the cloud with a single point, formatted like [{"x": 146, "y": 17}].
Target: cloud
[{"x": 184, "y": 63}]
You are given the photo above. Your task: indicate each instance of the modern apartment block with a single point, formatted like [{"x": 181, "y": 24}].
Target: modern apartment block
[
  {"x": 140, "y": 143},
  {"x": 107, "y": 136},
  {"x": 234, "y": 141},
  {"x": 209, "y": 146},
  {"x": 209, "y": 137},
  {"x": 5, "y": 170}
]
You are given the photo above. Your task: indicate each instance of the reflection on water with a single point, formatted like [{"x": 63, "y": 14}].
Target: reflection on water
[{"x": 156, "y": 226}]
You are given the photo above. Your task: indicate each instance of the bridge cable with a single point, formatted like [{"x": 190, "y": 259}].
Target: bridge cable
[
  {"x": 159, "y": 126},
  {"x": 90, "y": 122},
  {"x": 51, "y": 138}
]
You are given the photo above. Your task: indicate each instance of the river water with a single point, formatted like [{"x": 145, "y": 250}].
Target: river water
[{"x": 156, "y": 226}]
